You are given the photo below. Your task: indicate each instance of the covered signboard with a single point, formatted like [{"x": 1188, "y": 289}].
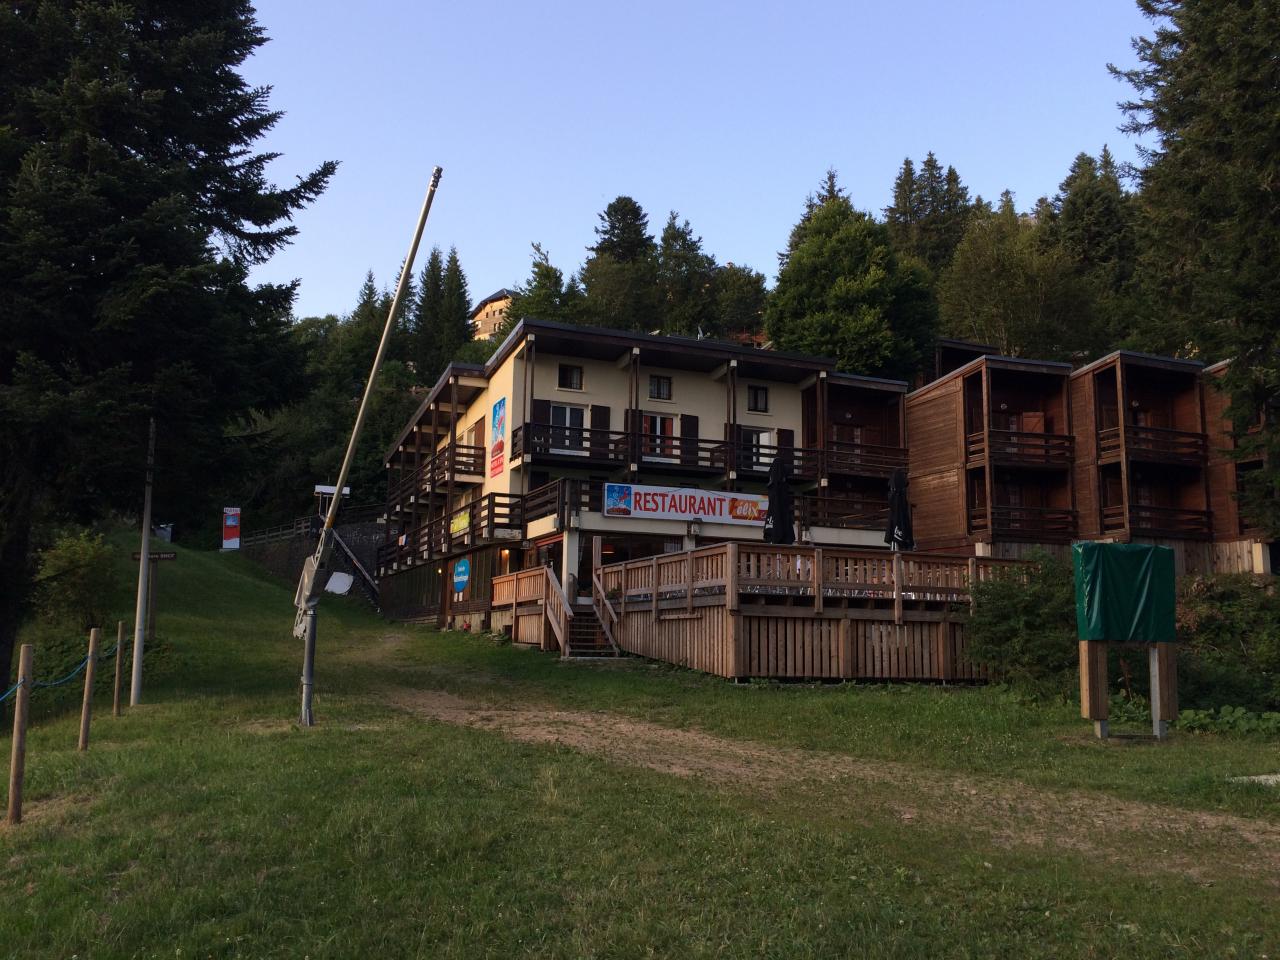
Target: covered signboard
[{"x": 1124, "y": 592}]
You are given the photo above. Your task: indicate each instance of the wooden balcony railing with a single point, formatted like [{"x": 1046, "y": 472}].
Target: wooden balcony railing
[
  {"x": 1155, "y": 444},
  {"x": 547, "y": 440},
  {"x": 1176, "y": 523},
  {"x": 1022, "y": 449},
  {"x": 464, "y": 462},
  {"x": 482, "y": 520},
  {"x": 1050, "y": 524},
  {"x": 862, "y": 459},
  {"x": 844, "y": 513}
]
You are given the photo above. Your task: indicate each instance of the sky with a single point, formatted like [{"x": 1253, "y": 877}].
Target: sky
[{"x": 728, "y": 113}]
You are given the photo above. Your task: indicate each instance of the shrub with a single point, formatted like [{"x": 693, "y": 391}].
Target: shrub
[
  {"x": 1229, "y": 625},
  {"x": 1022, "y": 628},
  {"x": 76, "y": 581}
]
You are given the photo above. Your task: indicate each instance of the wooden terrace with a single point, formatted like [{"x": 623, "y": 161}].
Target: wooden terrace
[{"x": 741, "y": 610}]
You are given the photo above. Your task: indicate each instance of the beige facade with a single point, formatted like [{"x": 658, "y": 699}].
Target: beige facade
[{"x": 490, "y": 314}]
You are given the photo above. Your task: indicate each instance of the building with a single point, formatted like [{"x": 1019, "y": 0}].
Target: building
[
  {"x": 654, "y": 444},
  {"x": 488, "y": 316},
  {"x": 1238, "y": 546},
  {"x": 991, "y": 458}
]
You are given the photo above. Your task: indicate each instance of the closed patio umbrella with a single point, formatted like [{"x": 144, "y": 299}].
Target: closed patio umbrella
[
  {"x": 779, "y": 524},
  {"x": 898, "y": 534}
]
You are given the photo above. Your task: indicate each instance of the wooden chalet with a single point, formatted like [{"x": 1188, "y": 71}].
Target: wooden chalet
[{"x": 991, "y": 453}]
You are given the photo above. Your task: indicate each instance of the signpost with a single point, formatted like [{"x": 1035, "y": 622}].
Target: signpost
[{"x": 153, "y": 561}]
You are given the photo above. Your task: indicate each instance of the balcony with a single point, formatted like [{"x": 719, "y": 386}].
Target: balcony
[
  {"x": 492, "y": 517},
  {"x": 545, "y": 442},
  {"x": 465, "y": 464},
  {"x": 1154, "y": 444},
  {"x": 1018, "y": 448},
  {"x": 842, "y": 513},
  {"x": 1041, "y": 524},
  {"x": 1175, "y": 523},
  {"x": 862, "y": 459}
]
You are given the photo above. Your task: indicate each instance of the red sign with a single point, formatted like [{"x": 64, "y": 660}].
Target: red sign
[{"x": 230, "y": 528}]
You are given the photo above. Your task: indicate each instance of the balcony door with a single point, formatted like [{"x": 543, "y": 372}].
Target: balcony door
[
  {"x": 659, "y": 436},
  {"x": 567, "y": 434}
]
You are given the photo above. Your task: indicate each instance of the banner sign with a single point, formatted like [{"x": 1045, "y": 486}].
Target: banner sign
[
  {"x": 230, "y": 528},
  {"x": 683, "y": 503},
  {"x": 497, "y": 448},
  {"x": 460, "y": 521},
  {"x": 156, "y": 555}
]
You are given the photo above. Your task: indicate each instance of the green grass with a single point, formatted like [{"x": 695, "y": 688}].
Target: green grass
[{"x": 204, "y": 823}]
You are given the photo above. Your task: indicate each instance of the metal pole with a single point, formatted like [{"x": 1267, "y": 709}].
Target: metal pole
[
  {"x": 311, "y": 583},
  {"x": 144, "y": 571},
  {"x": 307, "y": 718},
  {"x": 405, "y": 273}
]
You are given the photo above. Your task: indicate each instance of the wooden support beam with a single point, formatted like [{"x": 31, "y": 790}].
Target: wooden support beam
[{"x": 1094, "y": 697}]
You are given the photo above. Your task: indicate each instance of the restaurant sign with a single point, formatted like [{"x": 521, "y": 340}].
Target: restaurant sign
[{"x": 684, "y": 503}]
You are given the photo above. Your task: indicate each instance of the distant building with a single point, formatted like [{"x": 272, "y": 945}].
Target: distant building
[{"x": 490, "y": 313}]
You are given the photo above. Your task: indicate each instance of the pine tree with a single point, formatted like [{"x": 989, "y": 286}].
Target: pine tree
[
  {"x": 425, "y": 321},
  {"x": 546, "y": 295},
  {"x": 903, "y": 216},
  {"x": 455, "y": 307},
  {"x": 620, "y": 278},
  {"x": 1209, "y": 220},
  {"x": 686, "y": 277},
  {"x": 843, "y": 292},
  {"x": 740, "y": 298},
  {"x": 133, "y": 207}
]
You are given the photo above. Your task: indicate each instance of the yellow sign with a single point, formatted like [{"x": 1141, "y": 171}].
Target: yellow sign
[{"x": 460, "y": 522}]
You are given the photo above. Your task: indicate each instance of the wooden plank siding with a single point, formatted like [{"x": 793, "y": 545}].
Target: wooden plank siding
[{"x": 935, "y": 432}]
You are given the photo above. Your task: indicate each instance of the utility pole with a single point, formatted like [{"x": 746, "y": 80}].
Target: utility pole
[
  {"x": 144, "y": 571},
  {"x": 315, "y": 570}
]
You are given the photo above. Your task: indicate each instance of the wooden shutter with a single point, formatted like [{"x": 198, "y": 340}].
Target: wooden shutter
[
  {"x": 538, "y": 431},
  {"x": 688, "y": 439},
  {"x": 599, "y": 444},
  {"x": 786, "y": 447}
]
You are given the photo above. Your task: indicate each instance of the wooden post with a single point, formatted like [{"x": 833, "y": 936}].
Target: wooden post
[
  {"x": 90, "y": 668},
  {"x": 731, "y": 577},
  {"x": 973, "y": 582},
  {"x": 151, "y": 600},
  {"x": 1164, "y": 687},
  {"x": 1094, "y": 703},
  {"x": 817, "y": 580},
  {"x": 897, "y": 588},
  {"x": 115, "y": 691},
  {"x": 654, "y": 568},
  {"x": 688, "y": 581},
  {"x": 18, "y": 756}
]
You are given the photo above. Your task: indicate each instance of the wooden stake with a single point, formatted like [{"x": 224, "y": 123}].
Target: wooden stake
[
  {"x": 18, "y": 758},
  {"x": 115, "y": 695},
  {"x": 86, "y": 708}
]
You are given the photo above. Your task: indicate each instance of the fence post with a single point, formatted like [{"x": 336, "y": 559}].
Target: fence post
[
  {"x": 115, "y": 694},
  {"x": 18, "y": 757},
  {"x": 86, "y": 708}
]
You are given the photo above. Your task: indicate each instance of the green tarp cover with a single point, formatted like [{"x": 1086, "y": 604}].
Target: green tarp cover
[{"x": 1124, "y": 592}]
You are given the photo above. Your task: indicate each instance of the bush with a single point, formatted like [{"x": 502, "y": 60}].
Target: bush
[
  {"x": 1022, "y": 628},
  {"x": 1230, "y": 720},
  {"x": 77, "y": 581},
  {"x": 1229, "y": 625}
]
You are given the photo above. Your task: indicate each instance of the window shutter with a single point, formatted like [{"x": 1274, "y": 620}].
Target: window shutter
[
  {"x": 688, "y": 439},
  {"x": 599, "y": 432}
]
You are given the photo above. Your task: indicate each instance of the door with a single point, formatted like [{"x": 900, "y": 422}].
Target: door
[
  {"x": 567, "y": 435},
  {"x": 659, "y": 436}
]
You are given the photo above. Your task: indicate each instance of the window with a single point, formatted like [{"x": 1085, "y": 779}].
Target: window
[
  {"x": 567, "y": 435},
  {"x": 757, "y": 448},
  {"x": 659, "y": 436},
  {"x": 570, "y": 377},
  {"x": 758, "y": 399},
  {"x": 659, "y": 387}
]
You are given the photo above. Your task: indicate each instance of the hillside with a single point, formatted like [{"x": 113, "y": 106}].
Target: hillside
[{"x": 460, "y": 798}]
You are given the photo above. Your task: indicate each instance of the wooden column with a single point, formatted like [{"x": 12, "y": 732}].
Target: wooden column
[
  {"x": 636, "y": 426},
  {"x": 988, "y": 468},
  {"x": 431, "y": 495},
  {"x": 1122, "y": 417},
  {"x": 530, "y": 364},
  {"x": 1094, "y": 701}
]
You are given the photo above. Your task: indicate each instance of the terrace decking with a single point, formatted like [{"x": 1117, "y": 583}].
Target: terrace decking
[{"x": 755, "y": 610}]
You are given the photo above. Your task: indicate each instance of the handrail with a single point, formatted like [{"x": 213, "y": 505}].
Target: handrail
[
  {"x": 601, "y": 605},
  {"x": 371, "y": 585},
  {"x": 558, "y": 615}
]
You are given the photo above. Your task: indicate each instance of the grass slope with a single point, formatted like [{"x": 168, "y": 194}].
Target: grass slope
[{"x": 204, "y": 823}]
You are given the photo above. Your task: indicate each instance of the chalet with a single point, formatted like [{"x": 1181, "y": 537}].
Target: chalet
[
  {"x": 1237, "y": 545},
  {"x": 570, "y": 432},
  {"x": 991, "y": 458}
]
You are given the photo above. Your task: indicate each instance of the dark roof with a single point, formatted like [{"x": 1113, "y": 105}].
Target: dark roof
[
  {"x": 1145, "y": 360},
  {"x": 999, "y": 362},
  {"x": 502, "y": 294}
]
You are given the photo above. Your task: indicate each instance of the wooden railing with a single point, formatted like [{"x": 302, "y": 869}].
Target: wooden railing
[
  {"x": 546, "y": 440},
  {"x": 535, "y": 586},
  {"x": 462, "y": 461},
  {"x": 1154, "y": 443},
  {"x": 862, "y": 459},
  {"x": 1052, "y": 524},
  {"x": 745, "y": 569},
  {"x": 1173, "y": 522},
  {"x": 1021, "y": 448},
  {"x": 478, "y": 521},
  {"x": 844, "y": 513}
]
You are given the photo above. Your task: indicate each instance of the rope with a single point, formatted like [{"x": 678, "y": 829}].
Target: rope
[{"x": 41, "y": 684}]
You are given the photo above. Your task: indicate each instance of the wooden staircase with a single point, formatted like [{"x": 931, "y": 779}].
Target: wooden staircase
[{"x": 586, "y": 636}]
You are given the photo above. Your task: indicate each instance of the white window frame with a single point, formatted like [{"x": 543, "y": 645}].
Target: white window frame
[
  {"x": 569, "y": 451},
  {"x": 675, "y": 449}
]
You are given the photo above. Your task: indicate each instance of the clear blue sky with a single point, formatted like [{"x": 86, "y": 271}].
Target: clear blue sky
[{"x": 729, "y": 113}]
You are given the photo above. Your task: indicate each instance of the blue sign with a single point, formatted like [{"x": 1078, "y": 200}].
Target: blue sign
[{"x": 461, "y": 575}]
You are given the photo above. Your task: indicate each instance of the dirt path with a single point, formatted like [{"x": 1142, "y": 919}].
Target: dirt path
[{"x": 1144, "y": 837}]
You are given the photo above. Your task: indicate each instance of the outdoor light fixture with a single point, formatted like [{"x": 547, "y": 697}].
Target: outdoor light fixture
[
  {"x": 695, "y": 527},
  {"x": 1004, "y": 406}
]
